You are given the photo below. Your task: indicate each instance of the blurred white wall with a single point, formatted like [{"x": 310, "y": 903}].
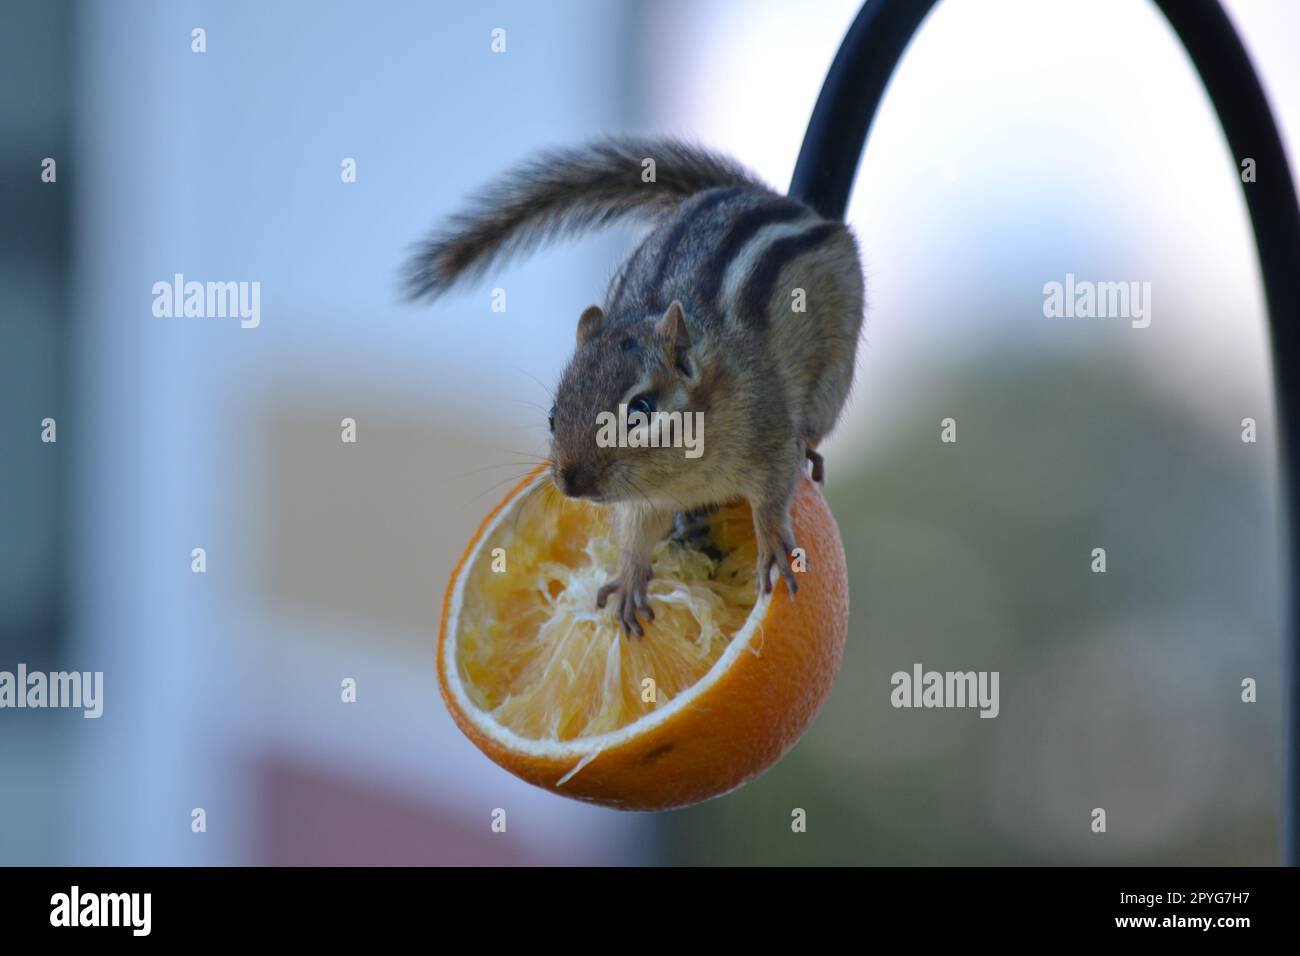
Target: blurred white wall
[{"x": 226, "y": 166}]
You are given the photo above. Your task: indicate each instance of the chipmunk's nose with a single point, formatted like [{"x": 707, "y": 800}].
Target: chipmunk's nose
[{"x": 576, "y": 482}]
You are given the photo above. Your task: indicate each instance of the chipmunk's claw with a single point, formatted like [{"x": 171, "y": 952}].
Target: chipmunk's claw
[
  {"x": 777, "y": 557},
  {"x": 633, "y": 602}
]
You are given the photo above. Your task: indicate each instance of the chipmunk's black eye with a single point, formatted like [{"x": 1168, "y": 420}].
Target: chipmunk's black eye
[
  {"x": 550, "y": 419},
  {"x": 643, "y": 404}
]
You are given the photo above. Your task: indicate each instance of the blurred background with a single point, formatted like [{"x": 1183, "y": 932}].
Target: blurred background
[{"x": 1019, "y": 141}]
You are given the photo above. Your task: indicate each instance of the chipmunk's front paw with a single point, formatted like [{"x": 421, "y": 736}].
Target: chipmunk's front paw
[
  {"x": 774, "y": 550},
  {"x": 632, "y": 585}
]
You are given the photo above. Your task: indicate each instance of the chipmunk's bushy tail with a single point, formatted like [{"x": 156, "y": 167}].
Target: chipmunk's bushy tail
[{"x": 564, "y": 193}]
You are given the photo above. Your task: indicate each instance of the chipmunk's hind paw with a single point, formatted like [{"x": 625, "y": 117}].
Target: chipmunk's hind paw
[
  {"x": 775, "y": 554},
  {"x": 694, "y": 530}
]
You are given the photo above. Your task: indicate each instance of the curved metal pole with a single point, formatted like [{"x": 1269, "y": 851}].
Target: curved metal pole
[{"x": 837, "y": 135}]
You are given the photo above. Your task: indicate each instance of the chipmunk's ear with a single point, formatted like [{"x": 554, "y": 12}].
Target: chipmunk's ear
[
  {"x": 672, "y": 330},
  {"x": 589, "y": 323}
]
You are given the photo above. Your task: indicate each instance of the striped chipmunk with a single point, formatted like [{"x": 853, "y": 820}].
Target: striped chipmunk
[{"x": 740, "y": 303}]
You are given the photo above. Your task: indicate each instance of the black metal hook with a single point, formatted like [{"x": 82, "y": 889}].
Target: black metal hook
[{"x": 837, "y": 135}]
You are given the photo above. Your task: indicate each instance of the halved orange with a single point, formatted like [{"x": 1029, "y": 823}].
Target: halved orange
[{"x": 722, "y": 684}]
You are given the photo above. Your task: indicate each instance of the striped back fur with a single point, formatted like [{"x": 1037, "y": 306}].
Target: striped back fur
[{"x": 720, "y": 255}]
